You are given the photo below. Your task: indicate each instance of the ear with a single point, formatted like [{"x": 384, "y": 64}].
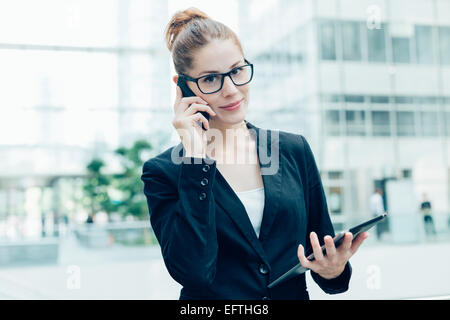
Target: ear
[{"x": 175, "y": 79}]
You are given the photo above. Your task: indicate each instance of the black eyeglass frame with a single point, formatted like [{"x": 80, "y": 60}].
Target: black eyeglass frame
[{"x": 225, "y": 74}]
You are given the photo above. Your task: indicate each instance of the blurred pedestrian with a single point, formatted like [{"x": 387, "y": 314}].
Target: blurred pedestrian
[
  {"x": 43, "y": 225},
  {"x": 56, "y": 224},
  {"x": 90, "y": 219},
  {"x": 377, "y": 208},
  {"x": 425, "y": 209}
]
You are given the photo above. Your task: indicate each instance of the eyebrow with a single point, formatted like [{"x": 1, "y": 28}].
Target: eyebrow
[{"x": 232, "y": 66}]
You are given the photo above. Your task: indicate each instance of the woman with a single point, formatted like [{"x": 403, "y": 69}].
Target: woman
[{"x": 229, "y": 228}]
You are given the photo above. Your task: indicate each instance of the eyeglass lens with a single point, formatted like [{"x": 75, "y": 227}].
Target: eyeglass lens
[{"x": 213, "y": 82}]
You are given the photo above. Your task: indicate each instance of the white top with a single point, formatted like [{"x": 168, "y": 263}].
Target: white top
[{"x": 253, "y": 201}]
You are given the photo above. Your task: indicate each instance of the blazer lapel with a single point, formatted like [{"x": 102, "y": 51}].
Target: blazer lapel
[
  {"x": 267, "y": 148},
  {"x": 227, "y": 199}
]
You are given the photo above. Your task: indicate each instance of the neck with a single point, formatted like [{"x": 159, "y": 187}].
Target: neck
[
  {"x": 223, "y": 127},
  {"x": 222, "y": 136}
]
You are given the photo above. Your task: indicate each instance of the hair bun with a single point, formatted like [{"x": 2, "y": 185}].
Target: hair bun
[{"x": 179, "y": 21}]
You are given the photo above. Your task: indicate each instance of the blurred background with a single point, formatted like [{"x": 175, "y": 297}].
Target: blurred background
[{"x": 86, "y": 97}]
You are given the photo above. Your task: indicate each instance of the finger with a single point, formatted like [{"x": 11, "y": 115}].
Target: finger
[
  {"x": 318, "y": 255},
  {"x": 190, "y": 100},
  {"x": 358, "y": 242},
  {"x": 347, "y": 243},
  {"x": 184, "y": 103},
  {"x": 329, "y": 245},
  {"x": 301, "y": 257},
  {"x": 200, "y": 117},
  {"x": 199, "y": 107}
]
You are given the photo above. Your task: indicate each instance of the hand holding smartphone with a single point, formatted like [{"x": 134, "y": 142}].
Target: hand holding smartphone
[
  {"x": 191, "y": 120},
  {"x": 188, "y": 93}
]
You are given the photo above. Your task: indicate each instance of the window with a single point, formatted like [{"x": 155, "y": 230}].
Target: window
[
  {"x": 381, "y": 123},
  {"x": 447, "y": 123},
  {"x": 405, "y": 123},
  {"x": 327, "y": 40},
  {"x": 355, "y": 122},
  {"x": 427, "y": 100},
  {"x": 379, "y": 99},
  {"x": 334, "y": 200},
  {"x": 403, "y": 100},
  {"x": 335, "y": 175},
  {"x": 351, "y": 41},
  {"x": 330, "y": 98},
  {"x": 430, "y": 125},
  {"x": 406, "y": 173},
  {"x": 400, "y": 50},
  {"x": 349, "y": 98},
  {"x": 376, "y": 44},
  {"x": 424, "y": 44},
  {"x": 333, "y": 122},
  {"x": 444, "y": 44},
  {"x": 443, "y": 100}
]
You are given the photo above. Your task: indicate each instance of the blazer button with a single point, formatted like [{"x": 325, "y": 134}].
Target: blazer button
[
  {"x": 202, "y": 196},
  {"x": 205, "y": 168},
  {"x": 263, "y": 269},
  {"x": 204, "y": 182}
]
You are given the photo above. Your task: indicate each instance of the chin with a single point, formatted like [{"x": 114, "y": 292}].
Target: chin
[{"x": 235, "y": 119}]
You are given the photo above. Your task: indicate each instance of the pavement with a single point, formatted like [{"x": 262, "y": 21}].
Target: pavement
[
  {"x": 396, "y": 271},
  {"x": 381, "y": 270}
]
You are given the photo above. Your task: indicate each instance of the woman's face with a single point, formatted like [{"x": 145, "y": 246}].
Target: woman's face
[{"x": 221, "y": 56}]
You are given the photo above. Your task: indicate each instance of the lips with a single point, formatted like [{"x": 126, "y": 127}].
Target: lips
[{"x": 232, "y": 104}]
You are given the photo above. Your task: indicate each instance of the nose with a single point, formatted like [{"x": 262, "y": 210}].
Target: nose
[{"x": 228, "y": 87}]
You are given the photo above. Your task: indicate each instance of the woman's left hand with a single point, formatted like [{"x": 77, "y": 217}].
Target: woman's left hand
[{"x": 332, "y": 264}]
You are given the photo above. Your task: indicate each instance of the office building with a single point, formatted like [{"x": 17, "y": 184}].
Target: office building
[{"x": 366, "y": 82}]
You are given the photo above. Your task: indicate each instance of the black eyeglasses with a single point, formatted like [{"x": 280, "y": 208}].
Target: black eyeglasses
[{"x": 212, "y": 83}]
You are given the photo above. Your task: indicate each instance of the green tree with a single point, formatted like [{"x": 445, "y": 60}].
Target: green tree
[
  {"x": 96, "y": 187},
  {"x": 129, "y": 180}
]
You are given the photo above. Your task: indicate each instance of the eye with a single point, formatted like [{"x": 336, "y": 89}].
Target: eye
[
  {"x": 209, "y": 79},
  {"x": 236, "y": 70}
]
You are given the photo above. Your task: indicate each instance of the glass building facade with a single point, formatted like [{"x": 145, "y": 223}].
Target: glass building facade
[
  {"x": 367, "y": 83},
  {"x": 89, "y": 79}
]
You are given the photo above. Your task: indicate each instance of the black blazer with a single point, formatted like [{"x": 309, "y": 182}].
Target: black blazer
[{"x": 207, "y": 240}]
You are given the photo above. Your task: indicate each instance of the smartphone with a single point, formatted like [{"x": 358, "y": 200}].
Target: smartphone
[
  {"x": 188, "y": 93},
  {"x": 299, "y": 269}
]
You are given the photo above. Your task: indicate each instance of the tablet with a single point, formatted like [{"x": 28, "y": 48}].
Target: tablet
[{"x": 339, "y": 238}]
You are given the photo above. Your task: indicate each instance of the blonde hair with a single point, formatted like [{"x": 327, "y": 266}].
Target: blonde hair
[{"x": 191, "y": 29}]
